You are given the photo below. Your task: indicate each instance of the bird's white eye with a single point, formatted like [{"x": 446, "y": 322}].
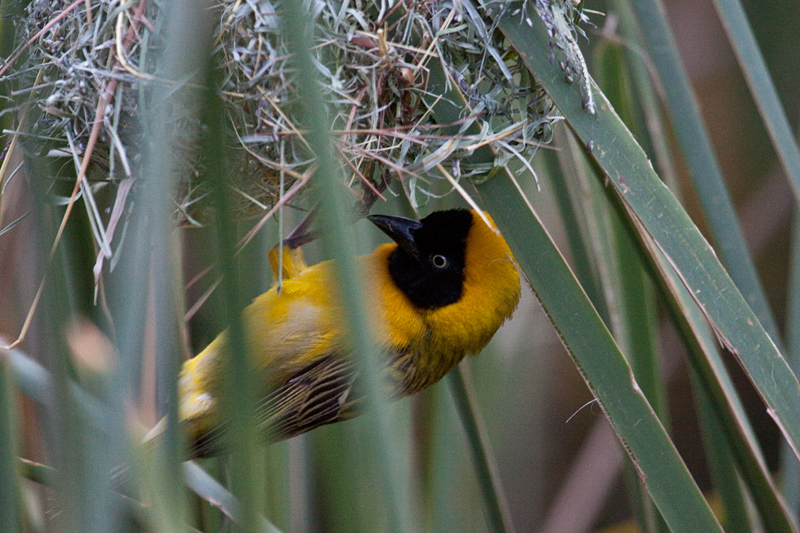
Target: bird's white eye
[{"x": 439, "y": 261}]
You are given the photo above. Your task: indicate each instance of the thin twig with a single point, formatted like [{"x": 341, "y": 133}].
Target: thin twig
[{"x": 288, "y": 196}]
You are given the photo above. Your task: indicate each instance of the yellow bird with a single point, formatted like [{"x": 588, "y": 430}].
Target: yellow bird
[{"x": 437, "y": 293}]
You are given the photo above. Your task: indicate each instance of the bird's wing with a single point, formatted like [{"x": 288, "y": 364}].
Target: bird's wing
[{"x": 321, "y": 393}]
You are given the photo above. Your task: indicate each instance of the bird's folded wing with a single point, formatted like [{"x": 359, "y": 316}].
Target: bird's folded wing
[{"x": 321, "y": 393}]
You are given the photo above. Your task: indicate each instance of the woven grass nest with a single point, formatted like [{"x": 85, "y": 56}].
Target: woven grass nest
[{"x": 374, "y": 60}]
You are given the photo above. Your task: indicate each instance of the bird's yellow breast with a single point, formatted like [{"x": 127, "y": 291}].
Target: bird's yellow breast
[{"x": 490, "y": 294}]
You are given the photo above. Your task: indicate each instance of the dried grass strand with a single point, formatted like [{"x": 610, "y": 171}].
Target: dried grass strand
[{"x": 36, "y": 37}]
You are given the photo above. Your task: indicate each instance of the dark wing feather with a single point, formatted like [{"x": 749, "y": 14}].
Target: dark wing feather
[{"x": 319, "y": 394}]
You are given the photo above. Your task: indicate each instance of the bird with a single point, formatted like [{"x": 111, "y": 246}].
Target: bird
[{"x": 439, "y": 291}]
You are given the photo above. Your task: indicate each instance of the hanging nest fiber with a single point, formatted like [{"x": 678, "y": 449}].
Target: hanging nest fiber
[{"x": 376, "y": 64}]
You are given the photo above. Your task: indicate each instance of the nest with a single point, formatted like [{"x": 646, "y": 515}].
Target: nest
[{"x": 374, "y": 63}]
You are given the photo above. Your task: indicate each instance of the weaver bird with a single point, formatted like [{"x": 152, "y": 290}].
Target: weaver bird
[{"x": 437, "y": 293}]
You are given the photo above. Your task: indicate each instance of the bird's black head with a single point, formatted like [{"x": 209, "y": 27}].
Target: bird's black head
[{"x": 428, "y": 263}]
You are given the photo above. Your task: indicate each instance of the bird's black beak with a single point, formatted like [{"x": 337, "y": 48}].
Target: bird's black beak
[{"x": 400, "y": 229}]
